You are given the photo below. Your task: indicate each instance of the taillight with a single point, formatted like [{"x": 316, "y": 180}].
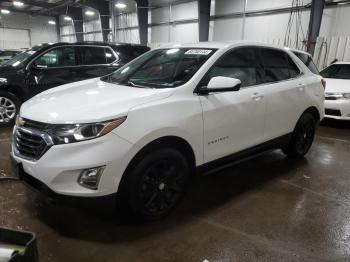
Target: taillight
[{"x": 323, "y": 82}]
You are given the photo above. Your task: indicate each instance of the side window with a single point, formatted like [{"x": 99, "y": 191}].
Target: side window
[
  {"x": 275, "y": 64},
  {"x": 240, "y": 64},
  {"x": 293, "y": 68},
  {"x": 93, "y": 55},
  {"x": 110, "y": 57},
  {"x": 58, "y": 57}
]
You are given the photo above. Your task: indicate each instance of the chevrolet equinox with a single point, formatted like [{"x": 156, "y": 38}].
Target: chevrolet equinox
[{"x": 143, "y": 130}]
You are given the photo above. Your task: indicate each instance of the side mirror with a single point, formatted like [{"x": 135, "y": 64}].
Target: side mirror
[{"x": 221, "y": 84}]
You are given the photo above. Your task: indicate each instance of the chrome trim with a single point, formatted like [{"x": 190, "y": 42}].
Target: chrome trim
[
  {"x": 44, "y": 136},
  {"x": 114, "y": 53}
]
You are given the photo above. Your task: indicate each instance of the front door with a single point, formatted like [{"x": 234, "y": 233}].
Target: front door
[
  {"x": 56, "y": 67},
  {"x": 234, "y": 121}
]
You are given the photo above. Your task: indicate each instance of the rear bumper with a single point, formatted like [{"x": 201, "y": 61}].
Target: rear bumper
[{"x": 337, "y": 109}]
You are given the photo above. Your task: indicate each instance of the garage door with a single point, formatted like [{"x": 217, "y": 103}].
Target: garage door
[{"x": 14, "y": 38}]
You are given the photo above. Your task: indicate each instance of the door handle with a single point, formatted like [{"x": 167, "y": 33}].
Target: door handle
[
  {"x": 301, "y": 87},
  {"x": 257, "y": 96}
]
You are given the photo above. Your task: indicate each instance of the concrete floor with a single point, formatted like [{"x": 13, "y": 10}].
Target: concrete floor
[{"x": 267, "y": 209}]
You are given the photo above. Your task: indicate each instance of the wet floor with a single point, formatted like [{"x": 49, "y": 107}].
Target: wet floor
[{"x": 267, "y": 209}]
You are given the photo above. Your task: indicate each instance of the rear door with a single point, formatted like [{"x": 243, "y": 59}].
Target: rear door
[
  {"x": 55, "y": 67},
  {"x": 284, "y": 92},
  {"x": 234, "y": 121}
]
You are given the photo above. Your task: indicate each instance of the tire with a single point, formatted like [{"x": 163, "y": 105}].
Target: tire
[
  {"x": 302, "y": 137},
  {"x": 9, "y": 108},
  {"x": 155, "y": 185}
]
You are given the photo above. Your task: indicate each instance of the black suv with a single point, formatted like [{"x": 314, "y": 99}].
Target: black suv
[{"x": 50, "y": 65}]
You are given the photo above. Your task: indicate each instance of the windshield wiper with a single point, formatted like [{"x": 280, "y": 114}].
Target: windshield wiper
[{"x": 131, "y": 83}]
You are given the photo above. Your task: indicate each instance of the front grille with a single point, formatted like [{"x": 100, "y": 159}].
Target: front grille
[
  {"x": 332, "y": 112},
  {"x": 333, "y": 96},
  {"x": 29, "y": 143}
]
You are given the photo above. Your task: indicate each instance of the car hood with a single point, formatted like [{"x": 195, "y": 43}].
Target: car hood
[
  {"x": 88, "y": 101},
  {"x": 337, "y": 85}
]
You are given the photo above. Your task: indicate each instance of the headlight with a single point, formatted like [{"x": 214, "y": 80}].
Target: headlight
[
  {"x": 346, "y": 95},
  {"x": 64, "y": 134},
  {"x": 3, "y": 80}
]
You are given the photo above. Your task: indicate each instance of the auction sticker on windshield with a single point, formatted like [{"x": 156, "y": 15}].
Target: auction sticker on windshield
[{"x": 198, "y": 52}]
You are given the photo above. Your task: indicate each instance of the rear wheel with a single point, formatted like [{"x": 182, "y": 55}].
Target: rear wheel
[
  {"x": 302, "y": 137},
  {"x": 9, "y": 107},
  {"x": 155, "y": 185}
]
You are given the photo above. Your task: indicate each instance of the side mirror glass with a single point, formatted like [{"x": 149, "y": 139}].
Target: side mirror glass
[{"x": 221, "y": 84}]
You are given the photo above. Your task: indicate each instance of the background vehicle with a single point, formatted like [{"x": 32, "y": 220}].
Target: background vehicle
[
  {"x": 49, "y": 65},
  {"x": 143, "y": 130},
  {"x": 7, "y": 54},
  {"x": 337, "y": 94}
]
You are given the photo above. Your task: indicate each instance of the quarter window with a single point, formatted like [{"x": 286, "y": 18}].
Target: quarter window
[
  {"x": 240, "y": 64},
  {"x": 58, "y": 57},
  {"x": 307, "y": 60}
]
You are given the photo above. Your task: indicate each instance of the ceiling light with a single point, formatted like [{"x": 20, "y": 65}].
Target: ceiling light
[
  {"x": 120, "y": 5},
  {"x": 5, "y": 11},
  {"x": 67, "y": 18},
  {"x": 51, "y": 22},
  {"x": 89, "y": 12},
  {"x": 17, "y": 3}
]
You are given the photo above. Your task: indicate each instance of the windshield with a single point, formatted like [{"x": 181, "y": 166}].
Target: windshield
[
  {"x": 22, "y": 57},
  {"x": 161, "y": 68},
  {"x": 337, "y": 71}
]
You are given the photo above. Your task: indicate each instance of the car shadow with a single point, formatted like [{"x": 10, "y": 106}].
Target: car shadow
[
  {"x": 333, "y": 123},
  {"x": 99, "y": 220}
]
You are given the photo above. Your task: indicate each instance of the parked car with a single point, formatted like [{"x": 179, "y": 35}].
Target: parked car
[
  {"x": 306, "y": 58},
  {"x": 50, "y": 65},
  {"x": 7, "y": 54},
  {"x": 145, "y": 129},
  {"x": 337, "y": 103}
]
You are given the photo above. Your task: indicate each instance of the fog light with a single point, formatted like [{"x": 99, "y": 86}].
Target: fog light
[{"x": 91, "y": 177}]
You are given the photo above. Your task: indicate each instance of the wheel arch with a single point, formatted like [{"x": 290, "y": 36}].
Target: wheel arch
[
  {"x": 314, "y": 112},
  {"x": 13, "y": 90},
  {"x": 167, "y": 141}
]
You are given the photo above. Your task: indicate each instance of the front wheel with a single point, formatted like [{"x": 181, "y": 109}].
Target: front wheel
[
  {"x": 156, "y": 184},
  {"x": 9, "y": 107},
  {"x": 302, "y": 137}
]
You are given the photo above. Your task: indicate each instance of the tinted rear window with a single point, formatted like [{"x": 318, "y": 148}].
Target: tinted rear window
[
  {"x": 95, "y": 55},
  {"x": 277, "y": 65},
  {"x": 337, "y": 71}
]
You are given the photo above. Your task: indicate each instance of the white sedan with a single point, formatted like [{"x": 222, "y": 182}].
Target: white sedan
[{"x": 337, "y": 94}]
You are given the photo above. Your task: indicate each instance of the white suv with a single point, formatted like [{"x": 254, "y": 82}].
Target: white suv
[{"x": 143, "y": 130}]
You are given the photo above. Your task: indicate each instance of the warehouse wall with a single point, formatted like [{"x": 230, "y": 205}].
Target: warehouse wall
[
  {"x": 92, "y": 27},
  {"x": 19, "y": 30},
  {"x": 167, "y": 24},
  {"x": 178, "y": 23}
]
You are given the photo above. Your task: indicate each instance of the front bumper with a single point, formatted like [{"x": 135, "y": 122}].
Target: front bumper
[
  {"x": 60, "y": 167},
  {"x": 337, "y": 109}
]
